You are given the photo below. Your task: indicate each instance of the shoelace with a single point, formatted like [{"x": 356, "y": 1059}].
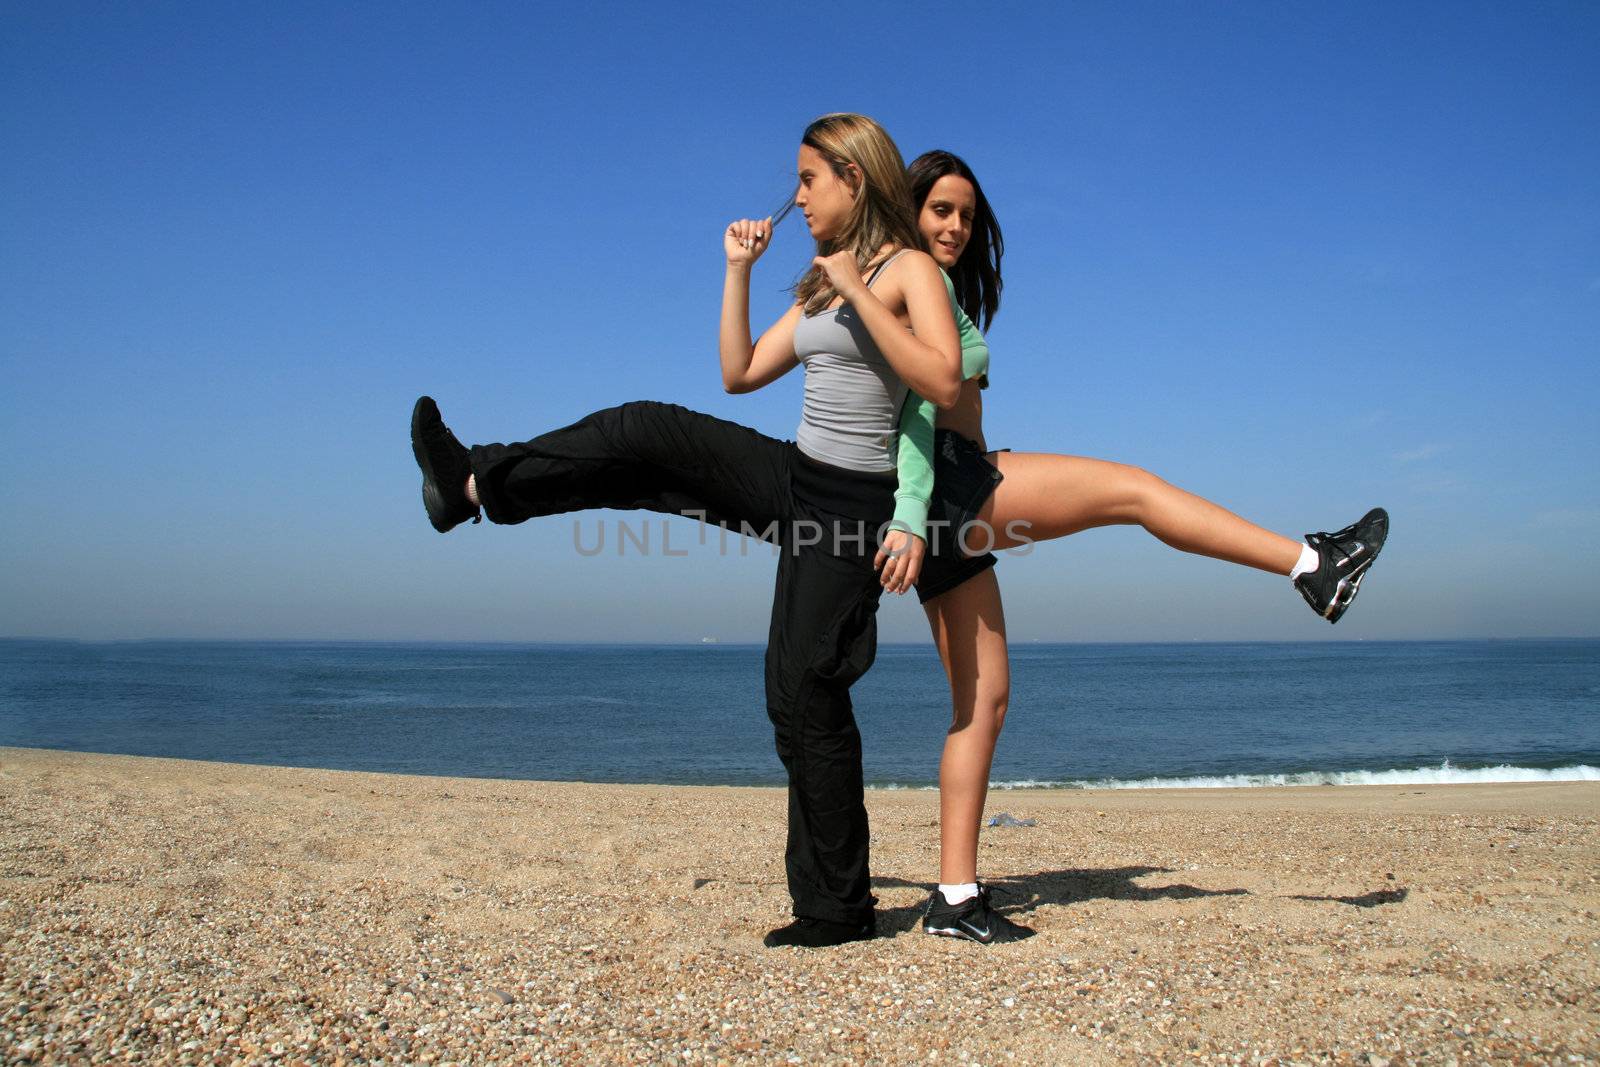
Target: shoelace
[
  {"x": 1336, "y": 541},
  {"x": 986, "y": 894}
]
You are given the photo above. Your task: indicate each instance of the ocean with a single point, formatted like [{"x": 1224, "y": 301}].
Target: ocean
[{"x": 1081, "y": 715}]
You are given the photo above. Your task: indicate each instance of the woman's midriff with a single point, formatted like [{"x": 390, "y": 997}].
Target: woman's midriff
[{"x": 966, "y": 417}]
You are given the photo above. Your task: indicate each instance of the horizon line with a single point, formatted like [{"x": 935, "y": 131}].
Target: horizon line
[{"x": 716, "y": 643}]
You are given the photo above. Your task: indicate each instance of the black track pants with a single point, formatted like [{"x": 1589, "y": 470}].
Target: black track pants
[{"x": 823, "y": 635}]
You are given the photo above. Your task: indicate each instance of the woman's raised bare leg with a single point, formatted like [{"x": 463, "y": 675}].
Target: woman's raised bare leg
[{"x": 1060, "y": 495}]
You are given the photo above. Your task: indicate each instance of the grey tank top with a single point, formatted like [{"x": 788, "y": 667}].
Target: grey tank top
[{"x": 851, "y": 414}]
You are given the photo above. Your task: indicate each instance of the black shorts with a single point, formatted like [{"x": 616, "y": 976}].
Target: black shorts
[{"x": 963, "y": 478}]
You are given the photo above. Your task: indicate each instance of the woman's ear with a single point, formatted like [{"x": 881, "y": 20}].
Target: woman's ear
[{"x": 852, "y": 177}]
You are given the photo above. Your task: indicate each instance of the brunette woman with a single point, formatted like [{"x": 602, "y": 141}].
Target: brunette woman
[{"x": 982, "y": 500}]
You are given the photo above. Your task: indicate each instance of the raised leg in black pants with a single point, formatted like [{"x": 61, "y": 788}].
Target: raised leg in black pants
[{"x": 665, "y": 458}]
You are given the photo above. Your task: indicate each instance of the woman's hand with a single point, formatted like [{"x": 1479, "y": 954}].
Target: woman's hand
[
  {"x": 844, "y": 274},
  {"x": 899, "y": 560},
  {"x": 745, "y": 240}
]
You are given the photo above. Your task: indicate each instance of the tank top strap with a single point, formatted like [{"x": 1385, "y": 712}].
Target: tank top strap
[{"x": 879, "y": 269}]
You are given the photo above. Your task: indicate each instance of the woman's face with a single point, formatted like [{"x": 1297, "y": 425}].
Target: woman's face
[
  {"x": 823, "y": 198},
  {"x": 946, "y": 219}
]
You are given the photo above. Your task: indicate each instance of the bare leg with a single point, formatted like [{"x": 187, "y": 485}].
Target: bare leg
[
  {"x": 1060, "y": 495},
  {"x": 969, "y": 629}
]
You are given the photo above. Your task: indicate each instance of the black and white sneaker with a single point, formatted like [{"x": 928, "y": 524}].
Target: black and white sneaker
[
  {"x": 974, "y": 919},
  {"x": 445, "y": 467},
  {"x": 1345, "y": 557}
]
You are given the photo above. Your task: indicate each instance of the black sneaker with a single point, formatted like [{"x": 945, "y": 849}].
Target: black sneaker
[
  {"x": 1345, "y": 557},
  {"x": 445, "y": 468},
  {"x": 974, "y": 919},
  {"x": 820, "y": 933}
]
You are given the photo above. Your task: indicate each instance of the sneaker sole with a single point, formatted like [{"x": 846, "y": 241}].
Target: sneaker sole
[
  {"x": 951, "y": 931},
  {"x": 1344, "y": 594},
  {"x": 962, "y": 935},
  {"x": 955, "y": 932},
  {"x": 432, "y": 499}
]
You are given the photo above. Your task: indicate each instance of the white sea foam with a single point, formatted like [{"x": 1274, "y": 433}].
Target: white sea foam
[{"x": 1444, "y": 774}]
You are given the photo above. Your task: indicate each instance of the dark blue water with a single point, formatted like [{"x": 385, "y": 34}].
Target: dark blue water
[{"x": 695, "y": 714}]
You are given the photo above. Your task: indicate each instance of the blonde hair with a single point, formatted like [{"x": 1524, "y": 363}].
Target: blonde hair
[{"x": 882, "y": 212}]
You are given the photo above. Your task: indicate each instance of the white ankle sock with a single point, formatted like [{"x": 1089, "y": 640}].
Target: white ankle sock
[
  {"x": 955, "y": 894},
  {"x": 1309, "y": 561}
]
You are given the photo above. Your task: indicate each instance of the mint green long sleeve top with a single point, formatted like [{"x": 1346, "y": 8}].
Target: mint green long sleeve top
[{"x": 914, "y": 460}]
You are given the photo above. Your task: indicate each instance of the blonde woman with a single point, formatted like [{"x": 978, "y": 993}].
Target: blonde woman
[
  {"x": 981, "y": 500},
  {"x": 823, "y": 499}
]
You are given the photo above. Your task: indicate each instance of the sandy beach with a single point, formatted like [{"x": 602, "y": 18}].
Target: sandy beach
[{"x": 172, "y": 911}]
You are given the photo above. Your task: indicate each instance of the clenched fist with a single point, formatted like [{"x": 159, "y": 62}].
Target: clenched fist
[{"x": 745, "y": 239}]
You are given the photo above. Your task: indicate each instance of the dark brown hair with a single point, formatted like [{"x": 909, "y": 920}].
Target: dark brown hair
[{"x": 976, "y": 275}]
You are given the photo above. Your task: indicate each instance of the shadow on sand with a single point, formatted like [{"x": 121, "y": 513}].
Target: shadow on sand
[
  {"x": 1025, "y": 892},
  {"x": 1365, "y": 900}
]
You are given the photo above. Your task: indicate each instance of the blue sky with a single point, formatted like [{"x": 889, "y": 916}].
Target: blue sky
[{"x": 1298, "y": 258}]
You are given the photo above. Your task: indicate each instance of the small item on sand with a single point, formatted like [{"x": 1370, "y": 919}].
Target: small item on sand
[{"x": 1005, "y": 818}]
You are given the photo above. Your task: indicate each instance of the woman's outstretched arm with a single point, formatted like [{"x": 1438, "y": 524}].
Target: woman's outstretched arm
[{"x": 747, "y": 366}]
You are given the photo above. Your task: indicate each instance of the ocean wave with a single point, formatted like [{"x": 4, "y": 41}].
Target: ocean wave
[{"x": 1444, "y": 774}]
